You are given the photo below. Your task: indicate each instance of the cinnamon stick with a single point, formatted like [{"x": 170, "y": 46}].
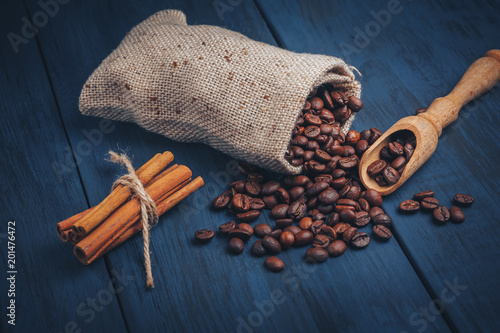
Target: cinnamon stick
[
  {"x": 120, "y": 194},
  {"x": 89, "y": 248},
  {"x": 167, "y": 202}
]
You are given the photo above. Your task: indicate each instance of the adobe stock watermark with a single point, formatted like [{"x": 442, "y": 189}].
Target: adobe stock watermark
[
  {"x": 421, "y": 318},
  {"x": 364, "y": 35},
  {"x": 223, "y": 6},
  {"x": 87, "y": 310},
  {"x": 83, "y": 148},
  {"x": 292, "y": 281},
  {"x": 30, "y": 28}
]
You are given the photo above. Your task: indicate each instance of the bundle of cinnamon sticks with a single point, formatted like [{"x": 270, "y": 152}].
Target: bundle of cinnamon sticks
[{"x": 100, "y": 229}]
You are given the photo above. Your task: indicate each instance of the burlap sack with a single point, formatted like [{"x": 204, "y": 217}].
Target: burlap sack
[{"x": 199, "y": 83}]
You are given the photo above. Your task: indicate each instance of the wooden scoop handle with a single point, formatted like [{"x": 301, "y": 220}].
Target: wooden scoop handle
[{"x": 480, "y": 77}]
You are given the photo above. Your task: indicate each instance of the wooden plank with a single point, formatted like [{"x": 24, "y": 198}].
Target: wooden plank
[
  {"x": 192, "y": 279},
  {"x": 428, "y": 46},
  {"x": 52, "y": 292}
]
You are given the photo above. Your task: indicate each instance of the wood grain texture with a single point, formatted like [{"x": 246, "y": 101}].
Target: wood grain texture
[
  {"x": 51, "y": 287},
  {"x": 419, "y": 55}
]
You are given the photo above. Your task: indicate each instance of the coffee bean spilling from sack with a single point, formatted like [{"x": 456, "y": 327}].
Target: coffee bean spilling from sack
[{"x": 323, "y": 208}]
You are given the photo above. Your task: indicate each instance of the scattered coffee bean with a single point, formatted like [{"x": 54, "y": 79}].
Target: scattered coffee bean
[
  {"x": 242, "y": 234},
  {"x": 409, "y": 206},
  {"x": 360, "y": 240},
  {"x": 382, "y": 219},
  {"x": 316, "y": 254},
  {"x": 271, "y": 245},
  {"x": 429, "y": 204},
  {"x": 227, "y": 227},
  {"x": 257, "y": 249},
  {"x": 463, "y": 200},
  {"x": 248, "y": 216},
  {"x": 349, "y": 234},
  {"x": 287, "y": 239},
  {"x": 274, "y": 264},
  {"x": 422, "y": 195},
  {"x": 204, "y": 235},
  {"x": 381, "y": 232},
  {"x": 441, "y": 214},
  {"x": 456, "y": 215},
  {"x": 303, "y": 237},
  {"x": 336, "y": 248},
  {"x": 236, "y": 245},
  {"x": 362, "y": 219},
  {"x": 421, "y": 110},
  {"x": 262, "y": 230}
]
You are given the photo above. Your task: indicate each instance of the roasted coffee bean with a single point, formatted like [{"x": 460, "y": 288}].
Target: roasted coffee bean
[
  {"x": 300, "y": 180},
  {"x": 296, "y": 192},
  {"x": 339, "y": 228},
  {"x": 322, "y": 156},
  {"x": 409, "y": 206},
  {"x": 312, "y": 203},
  {"x": 361, "y": 147},
  {"x": 463, "y": 200},
  {"x": 329, "y": 232},
  {"x": 441, "y": 214},
  {"x": 293, "y": 229},
  {"x": 227, "y": 227},
  {"x": 252, "y": 188},
  {"x": 326, "y": 209},
  {"x": 297, "y": 151},
  {"x": 262, "y": 230},
  {"x": 336, "y": 150},
  {"x": 391, "y": 176},
  {"x": 348, "y": 162},
  {"x": 270, "y": 187},
  {"x": 321, "y": 139},
  {"x": 333, "y": 219},
  {"x": 398, "y": 163},
  {"x": 297, "y": 162},
  {"x": 347, "y": 202},
  {"x": 326, "y": 129},
  {"x": 255, "y": 177},
  {"x": 316, "y": 103},
  {"x": 308, "y": 155},
  {"x": 286, "y": 239},
  {"x": 283, "y": 223},
  {"x": 316, "y": 226},
  {"x": 375, "y": 133},
  {"x": 311, "y": 132},
  {"x": 364, "y": 205},
  {"x": 365, "y": 135},
  {"x": 222, "y": 200},
  {"x": 305, "y": 223},
  {"x": 276, "y": 233},
  {"x": 289, "y": 155},
  {"x": 257, "y": 204},
  {"x": 303, "y": 237},
  {"x": 381, "y": 232},
  {"x": 257, "y": 249},
  {"x": 352, "y": 137},
  {"x": 236, "y": 245},
  {"x": 347, "y": 215},
  {"x": 409, "y": 150},
  {"x": 316, "y": 254},
  {"x": 373, "y": 197},
  {"x": 270, "y": 201},
  {"x": 456, "y": 215},
  {"x": 380, "y": 180},
  {"x": 360, "y": 240},
  {"x": 386, "y": 154},
  {"x": 238, "y": 185},
  {"x": 299, "y": 140},
  {"x": 247, "y": 227},
  {"x": 317, "y": 215},
  {"x": 421, "y": 110},
  {"x": 338, "y": 98},
  {"x": 341, "y": 113},
  {"x": 312, "y": 119},
  {"x": 348, "y": 234},
  {"x": 348, "y": 151},
  {"x": 242, "y": 234},
  {"x": 362, "y": 219},
  {"x": 311, "y": 145},
  {"x": 429, "y": 204},
  {"x": 314, "y": 167},
  {"x": 297, "y": 210},
  {"x": 337, "y": 248},
  {"x": 321, "y": 240},
  {"x": 327, "y": 178},
  {"x": 374, "y": 211},
  {"x": 353, "y": 193},
  {"x": 328, "y": 196},
  {"x": 422, "y": 195},
  {"x": 354, "y": 103},
  {"x": 396, "y": 149},
  {"x": 248, "y": 216},
  {"x": 279, "y": 211},
  {"x": 316, "y": 189},
  {"x": 241, "y": 202},
  {"x": 382, "y": 219},
  {"x": 326, "y": 116},
  {"x": 204, "y": 235},
  {"x": 271, "y": 245},
  {"x": 274, "y": 264},
  {"x": 282, "y": 195}
]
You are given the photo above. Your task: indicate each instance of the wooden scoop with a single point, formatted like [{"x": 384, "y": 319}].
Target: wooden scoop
[{"x": 481, "y": 76}]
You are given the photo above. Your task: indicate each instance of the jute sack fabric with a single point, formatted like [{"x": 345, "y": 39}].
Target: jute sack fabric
[{"x": 200, "y": 83}]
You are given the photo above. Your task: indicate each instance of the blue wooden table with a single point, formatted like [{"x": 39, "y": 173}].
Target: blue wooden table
[{"x": 428, "y": 278}]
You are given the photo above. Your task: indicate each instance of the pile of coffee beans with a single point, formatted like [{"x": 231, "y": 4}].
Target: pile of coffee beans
[
  {"x": 426, "y": 202},
  {"x": 393, "y": 158},
  {"x": 323, "y": 208}
]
